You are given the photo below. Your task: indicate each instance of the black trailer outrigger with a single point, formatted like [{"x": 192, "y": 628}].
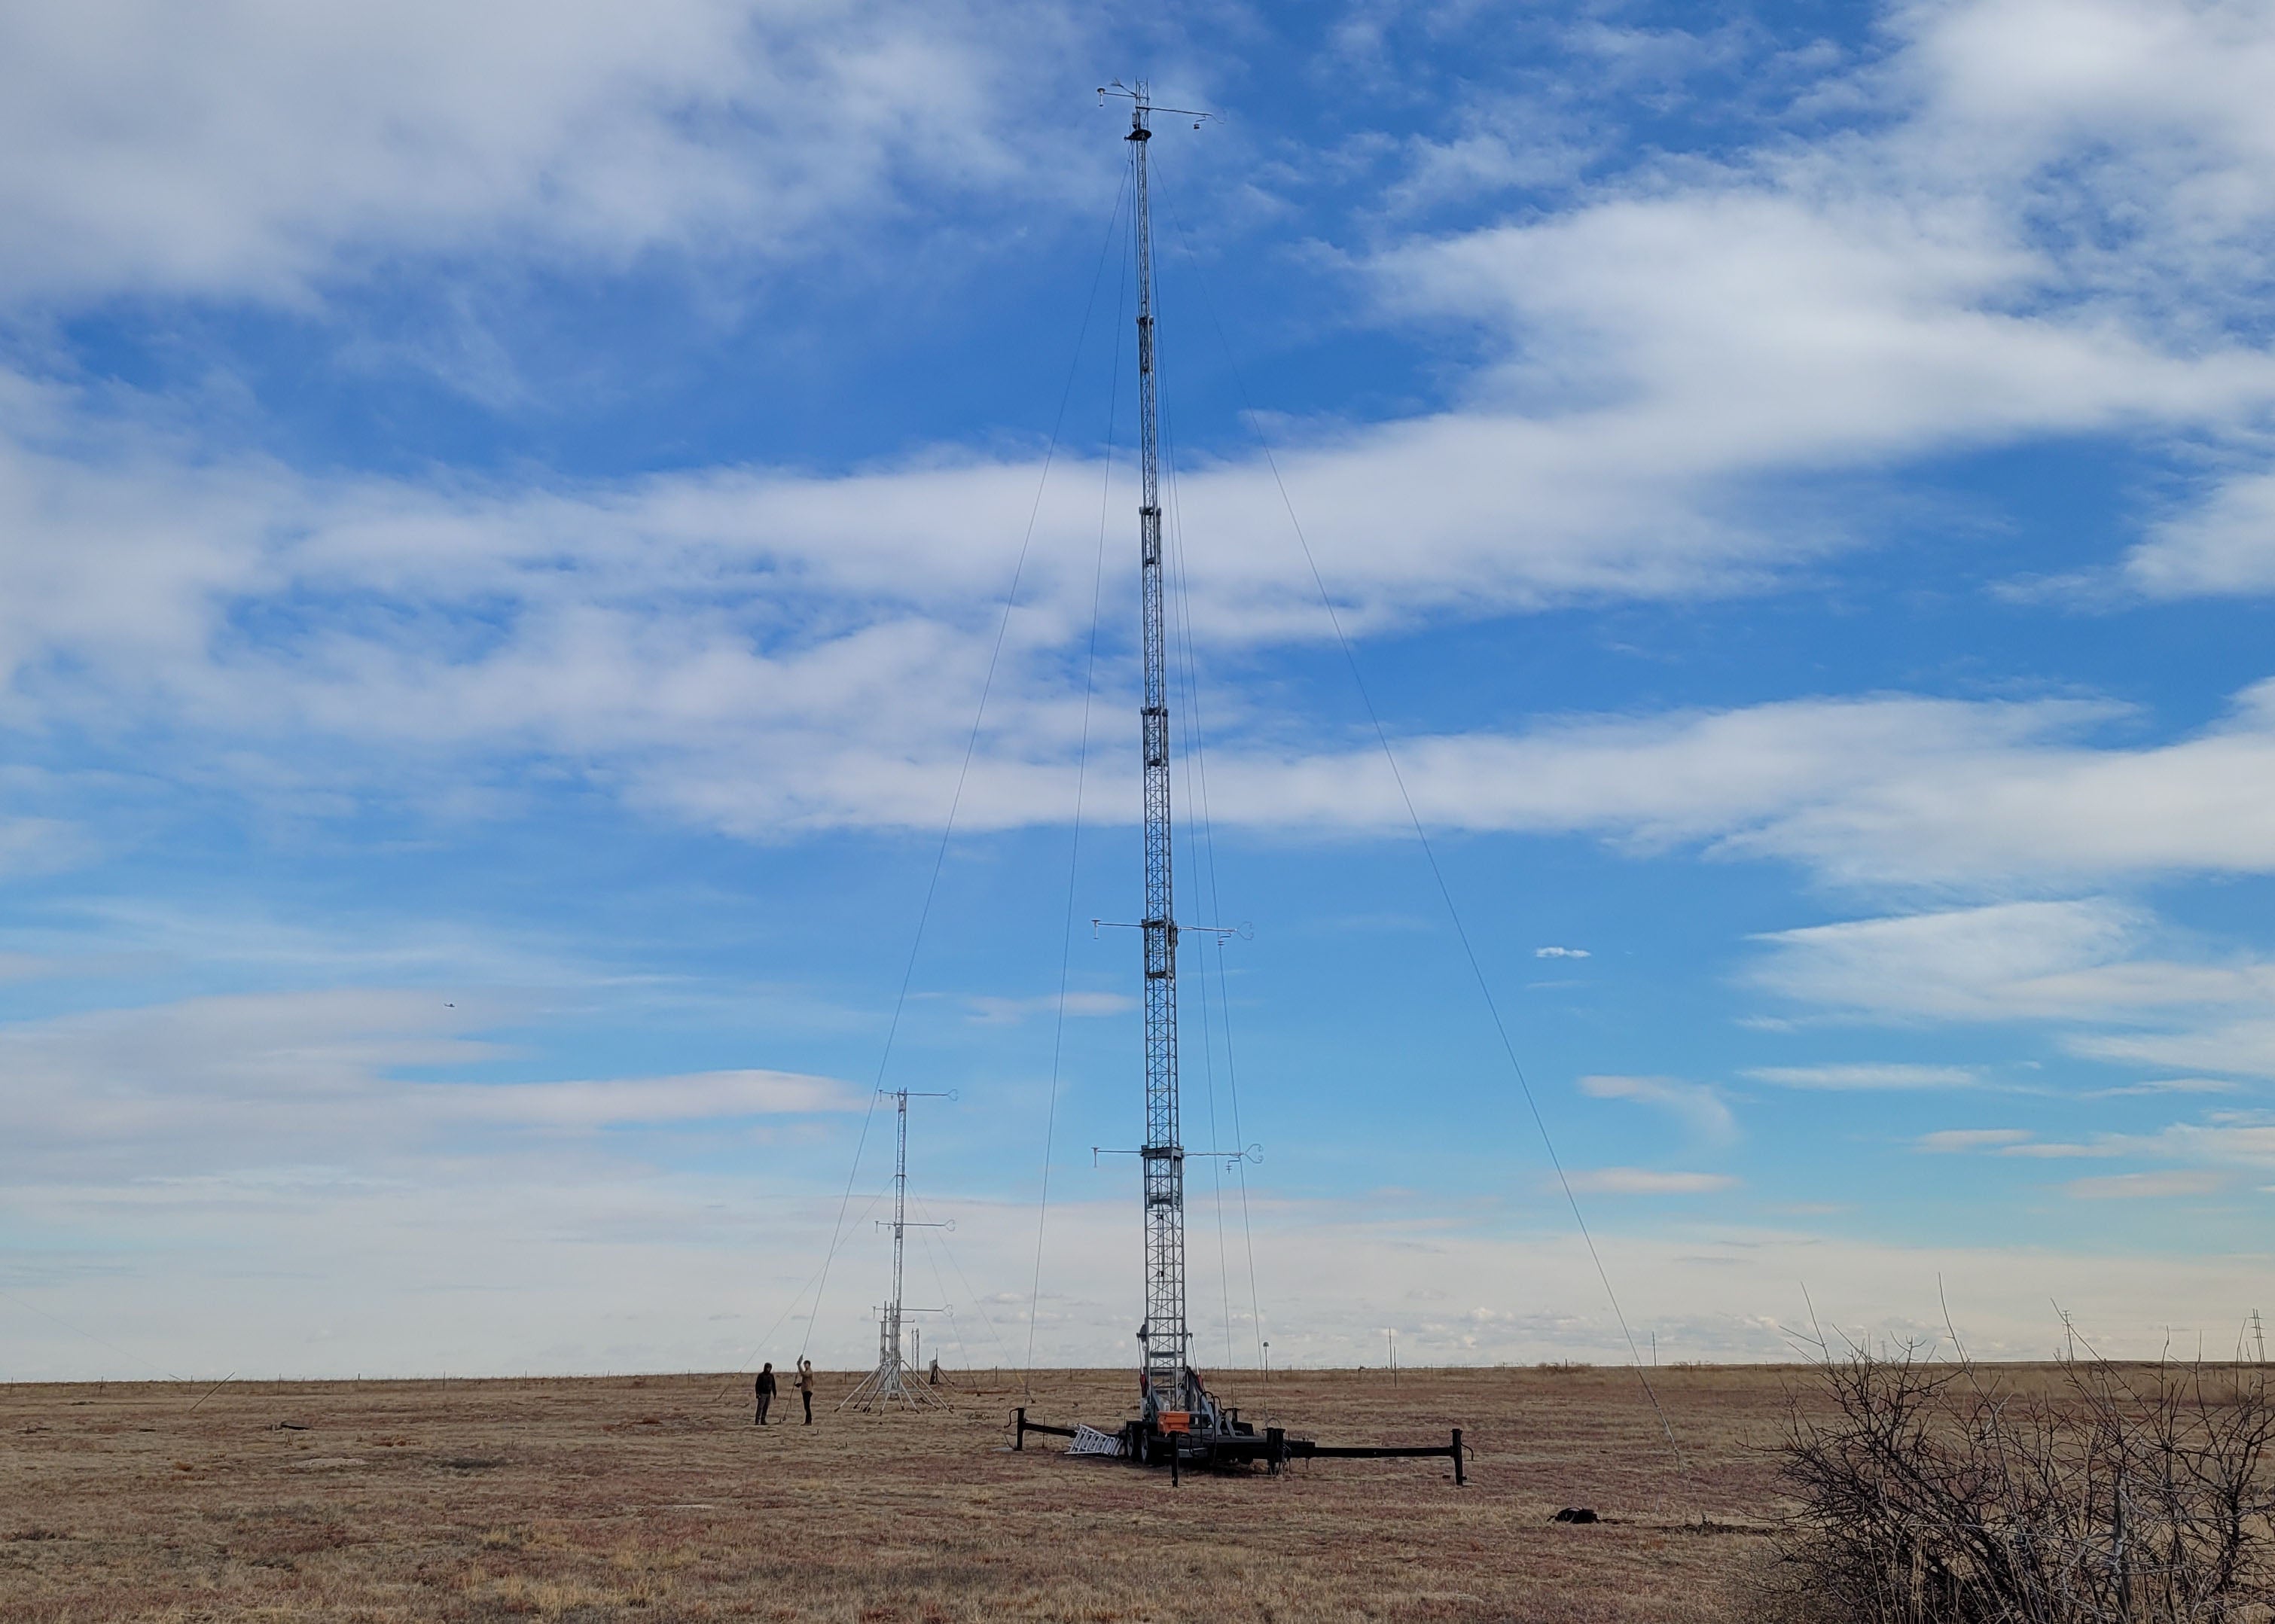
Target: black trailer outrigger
[{"x": 1215, "y": 1438}]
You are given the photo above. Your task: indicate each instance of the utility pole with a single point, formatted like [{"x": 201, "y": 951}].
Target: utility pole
[{"x": 890, "y": 1383}]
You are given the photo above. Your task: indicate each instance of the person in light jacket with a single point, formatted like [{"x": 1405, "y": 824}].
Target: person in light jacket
[{"x": 805, "y": 1386}]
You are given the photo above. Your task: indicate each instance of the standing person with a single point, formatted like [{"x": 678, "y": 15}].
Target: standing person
[
  {"x": 765, "y": 1388},
  {"x": 805, "y": 1386}
]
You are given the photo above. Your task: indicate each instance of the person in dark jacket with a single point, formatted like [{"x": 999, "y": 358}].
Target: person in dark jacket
[
  {"x": 765, "y": 1392},
  {"x": 806, "y": 1386}
]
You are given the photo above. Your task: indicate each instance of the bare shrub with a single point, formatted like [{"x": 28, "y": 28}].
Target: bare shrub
[{"x": 1930, "y": 1494}]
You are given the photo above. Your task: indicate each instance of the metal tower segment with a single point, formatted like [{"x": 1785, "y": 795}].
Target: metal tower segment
[{"x": 1164, "y": 1333}]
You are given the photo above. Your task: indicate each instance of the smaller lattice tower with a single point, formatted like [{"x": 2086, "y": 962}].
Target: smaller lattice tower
[{"x": 892, "y": 1382}]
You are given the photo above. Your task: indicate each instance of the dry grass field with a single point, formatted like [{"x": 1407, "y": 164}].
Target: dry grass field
[{"x": 654, "y": 1499}]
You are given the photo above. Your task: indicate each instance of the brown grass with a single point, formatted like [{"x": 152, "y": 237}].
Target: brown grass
[{"x": 654, "y": 1499}]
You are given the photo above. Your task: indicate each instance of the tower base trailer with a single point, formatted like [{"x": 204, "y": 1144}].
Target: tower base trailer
[{"x": 1172, "y": 1440}]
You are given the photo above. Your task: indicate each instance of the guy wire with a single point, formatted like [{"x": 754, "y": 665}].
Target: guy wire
[
  {"x": 1073, "y": 847},
  {"x": 947, "y": 1313},
  {"x": 1196, "y": 787},
  {"x": 80, "y": 1331},
  {"x": 1215, "y": 901},
  {"x": 963, "y": 772},
  {"x": 1445, "y": 891},
  {"x": 783, "y": 1318},
  {"x": 978, "y": 1306}
]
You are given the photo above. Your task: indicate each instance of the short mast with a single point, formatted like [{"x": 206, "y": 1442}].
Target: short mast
[
  {"x": 889, "y": 1340},
  {"x": 891, "y": 1382}
]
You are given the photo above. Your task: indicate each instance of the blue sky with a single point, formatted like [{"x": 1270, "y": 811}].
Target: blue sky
[{"x": 504, "y": 517}]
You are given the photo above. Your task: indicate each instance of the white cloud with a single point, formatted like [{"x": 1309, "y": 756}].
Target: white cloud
[
  {"x": 1845, "y": 1078},
  {"x": 2224, "y": 1139},
  {"x": 2144, "y": 1186},
  {"x": 2152, "y": 111},
  {"x": 1765, "y": 779},
  {"x": 1887, "y": 791},
  {"x": 759, "y": 652},
  {"x": 2085, "y": 966},
  {"x": 989, "y": 1011},
  {"x": 2019, "y": 1141},
  {"x": 2029, "y": 241},
  {"x": 2224, "y": 544},
  {"x": 662, "y": 618},
  {"x": 263, "y": 148},
  {"x": 1820, "y": 325},
  {"x": 264, "y": 1080},
  {"x": 1952, "y": 1140},
  {"x": 1891, "y": 790},
  {"x": 1974, "y": 269},
  {"x": 2245, "y": 1047},
  {"x": 2077, "y": 960},
  {"x": 618, "y": 1269},
  {"x": 1698, "y": 1106},
  {"x": 2169, "y": 1085},
  {"x": 1848, "y": 305},
  {"x": 42, "y": 845},
  {"x": 2228, "y": 1137},
  {"x": 769, "y": 653},
  {"x": 703, "y": 1096},
  {"x": 1560, "y": 953},
  {"x": 1959, "y": 964},
  {"x": 1647, "y": 1181}
]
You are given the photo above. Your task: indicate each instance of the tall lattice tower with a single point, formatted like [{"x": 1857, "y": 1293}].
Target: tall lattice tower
[{"x": 1167, "y": 1381}]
